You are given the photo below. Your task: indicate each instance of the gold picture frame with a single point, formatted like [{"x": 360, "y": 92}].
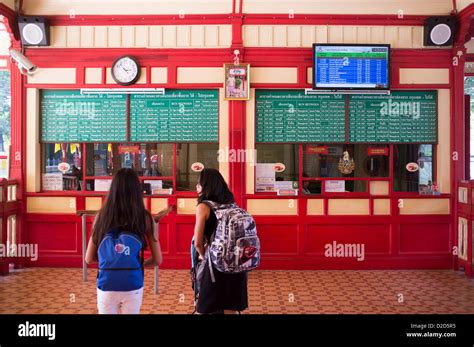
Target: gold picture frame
[{"x": 236, "y": 81}]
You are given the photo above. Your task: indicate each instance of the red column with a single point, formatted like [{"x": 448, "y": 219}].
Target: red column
[
  {"x": 458, "y": 123},
  {"x": 17, "y": 153},
  {"x": 237, "y": 121},
  {"x": 237, "y": 143}
]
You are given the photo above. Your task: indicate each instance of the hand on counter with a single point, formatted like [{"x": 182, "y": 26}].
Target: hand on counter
[{"x": 163, "y": 213}]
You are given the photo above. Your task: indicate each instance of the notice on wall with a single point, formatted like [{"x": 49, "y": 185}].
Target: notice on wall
[
  {"x": 102, "y": 185},
  {"x": 338, "y": 186},
  {"x": 154, "y": 184},
  {"x": 284, "y": 185},
  {"x": 52, "y": 181},
  {"x": 265, "y": 177}
]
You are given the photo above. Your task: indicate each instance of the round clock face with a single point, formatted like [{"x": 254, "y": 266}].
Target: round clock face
[{"x": 125, "y": 71}]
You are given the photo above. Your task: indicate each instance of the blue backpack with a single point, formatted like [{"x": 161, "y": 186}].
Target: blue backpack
[{"x": 120, "y": 261}]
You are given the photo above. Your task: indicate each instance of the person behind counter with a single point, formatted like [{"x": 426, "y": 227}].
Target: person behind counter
[
  {"x": 228, "y": 293},
  {"x": 121, "y": 231}
]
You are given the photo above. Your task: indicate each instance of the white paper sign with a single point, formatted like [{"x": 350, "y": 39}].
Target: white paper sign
[
  {"x": 283, "y": 185},
  {"x": 335, "y": 186},
  {"x": 265, "y": 178},
  {"x": 154, "y": 184},
  {"x": 102, "y": 185},
  {"x": 53, "y": 181}
]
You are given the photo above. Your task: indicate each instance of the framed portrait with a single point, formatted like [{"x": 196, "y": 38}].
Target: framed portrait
[{"x": 237, "y": 81}]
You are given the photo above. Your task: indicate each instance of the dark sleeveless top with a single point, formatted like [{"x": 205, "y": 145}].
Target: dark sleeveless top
[{"x": 210, "y": 226}]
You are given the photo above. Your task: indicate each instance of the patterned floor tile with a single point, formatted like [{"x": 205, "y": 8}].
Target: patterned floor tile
[{"x": 60, "y": 290}]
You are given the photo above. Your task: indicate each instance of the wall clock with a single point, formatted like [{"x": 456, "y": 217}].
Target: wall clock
[{"x": 125, "y": 70}]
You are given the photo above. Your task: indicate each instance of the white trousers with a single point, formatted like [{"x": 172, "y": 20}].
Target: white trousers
[{"x": 119, "y": 302}]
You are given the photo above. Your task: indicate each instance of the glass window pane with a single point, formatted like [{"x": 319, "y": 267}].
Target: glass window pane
[
  {"x": 312, "y": 187},
  {"x": 54, "y": 171},
  {"x": 189, "y": 153},
  {"x": 412, "y": 179},
  {"x": 321, "y": 160},
  {"x": 147, "y": 159},
  {"x": 286, "y": 154},
  {"x": 5, "y": 107},
  {"x": 155, "y": 160}
]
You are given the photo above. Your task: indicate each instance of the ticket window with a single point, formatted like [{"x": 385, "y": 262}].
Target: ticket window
[
  {"x": 146, "y": 159},
  {"x": 62, "y": 166},
  {"x": 153, "y": 162},
  {"x": 270, "y": 175},
  {"x": 188, "y": 154},
  {"x": 340, "y": 161},
  {"x": 413, "y": 168}
]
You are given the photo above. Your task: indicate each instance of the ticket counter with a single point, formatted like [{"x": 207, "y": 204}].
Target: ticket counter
[{"x": 314, "y": 170}]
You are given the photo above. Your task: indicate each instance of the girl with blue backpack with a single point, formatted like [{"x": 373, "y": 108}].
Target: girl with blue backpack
[{"x": 121, "y": 232}]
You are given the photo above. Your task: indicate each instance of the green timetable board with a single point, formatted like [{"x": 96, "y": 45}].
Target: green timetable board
[
  {"x": 68, "y": 116},
  {"x": 292, "y": 116},
  {"x": 401, "y": 117},
  {"x": 176, "y": 116}
]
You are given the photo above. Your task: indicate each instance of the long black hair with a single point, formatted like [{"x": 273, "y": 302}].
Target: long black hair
[
  {"x": 214, "y": 187},
  {"x": 123, "y": 208}
]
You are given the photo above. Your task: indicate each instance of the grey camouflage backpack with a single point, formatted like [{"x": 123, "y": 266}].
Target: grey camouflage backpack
[{"x": 234, "y": 247}]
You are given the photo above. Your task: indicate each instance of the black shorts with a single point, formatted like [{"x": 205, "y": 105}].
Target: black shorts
[{"x": 228, "y": 292}]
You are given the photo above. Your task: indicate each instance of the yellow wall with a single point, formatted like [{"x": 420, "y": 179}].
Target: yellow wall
[
  {"x": 138, "y": 7},
  {"x": 277, "y": 207},
  {"x": 200, "y": 74},
  {"x": 53, "y": 76},
  {"x": 111, "y": 7},
  {"x": 93, "y": 75},
  {"x": 158, "y": 204},
  {"x": 305, "y": 35},
  {"x": 186, "y": 206},
  {"x": 141, "y": 36},
  {"x": 381, "y": 206},
  {"x": 273, "y": 75},
  {"x": 348, "y": 206},
  {"x": 223, "y": 133},
  {"x": 51, "y": 205},
  {"x": 250, "y": 142},
  {"x": 315, "y": 207},
  {"x": 33, "y": 158},
  {"x": 93, "y": 203},
  {"x": 424, "y": 206},
  {"x": 389, "y": 7},
  {"x": 379, "y": 188},
  {"x": 424, "y": 76},
  {"x": 159, "y": 75},
  {"x": 9, "y": 3},
  {"x": 5, "y": 41}
]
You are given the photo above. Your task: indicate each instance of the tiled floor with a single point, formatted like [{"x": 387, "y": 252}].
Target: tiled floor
[{"x": 54, "y": 290}]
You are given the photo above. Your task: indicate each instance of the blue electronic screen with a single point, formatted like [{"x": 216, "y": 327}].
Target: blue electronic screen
[{"x": 351, "y": 66}]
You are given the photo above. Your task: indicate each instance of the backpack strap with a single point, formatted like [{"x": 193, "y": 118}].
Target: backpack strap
[
  {"x": 211, "y": 270},
  {"x": 212, "y": 205}
]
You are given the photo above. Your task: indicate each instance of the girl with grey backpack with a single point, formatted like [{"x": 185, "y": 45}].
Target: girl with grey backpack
[{"x": 227, "y": 247}]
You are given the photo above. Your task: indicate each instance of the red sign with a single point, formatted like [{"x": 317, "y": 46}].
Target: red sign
[
  {"x": 377, "y": 151},
  {"x": 128, "y": 149},
  {"x": 317, "y": 150}
]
